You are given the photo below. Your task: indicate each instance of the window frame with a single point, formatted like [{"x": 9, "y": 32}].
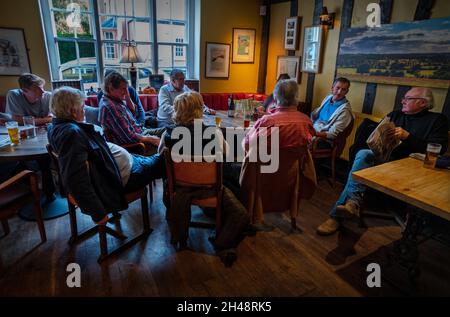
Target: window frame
[{"x": 101, "y": 43}]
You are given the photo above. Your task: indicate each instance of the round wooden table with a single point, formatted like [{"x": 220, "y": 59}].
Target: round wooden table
[{"x": 28, "y": 150}]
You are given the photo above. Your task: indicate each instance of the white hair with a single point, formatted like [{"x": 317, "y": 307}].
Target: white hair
[
  {"x": 65, "y": 100},
  {"x": 286, "y": 92}
]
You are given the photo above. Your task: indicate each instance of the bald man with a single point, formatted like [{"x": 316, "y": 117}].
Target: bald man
[{"x": 415, "y": 126}]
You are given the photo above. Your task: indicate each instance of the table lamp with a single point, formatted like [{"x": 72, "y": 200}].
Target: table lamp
[{"x": 131, "y": 55}]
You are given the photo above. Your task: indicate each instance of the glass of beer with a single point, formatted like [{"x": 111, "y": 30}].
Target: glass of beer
[
  {"x": 246, "y": 123},
  {"x": 13, "y": 132},
  {"x": 433, "y": 150},
  {"x": 218, "y": 121},
  {"x": 30, "y": 126}
]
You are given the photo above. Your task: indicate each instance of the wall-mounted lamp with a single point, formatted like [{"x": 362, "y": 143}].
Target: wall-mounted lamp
[
  {"x": 131, "y": 55},
  {"x": 327, "y": 19}
]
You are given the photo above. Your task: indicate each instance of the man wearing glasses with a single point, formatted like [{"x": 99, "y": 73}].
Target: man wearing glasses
[
  {"x": 415, "y": 126},
  {"x": 167, "y": 95},
  {"x": 29, "y": 100}
]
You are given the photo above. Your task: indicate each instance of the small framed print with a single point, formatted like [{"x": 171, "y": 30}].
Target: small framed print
[
  {"x": 289, "y": 65},
  {"x": 244, "y": 45},
  {"x": 291, "y": 35},
  {"x": 217, "y": 60},
  {"x": 14, "y": 59},
  {"x": 312, "y": 46}
]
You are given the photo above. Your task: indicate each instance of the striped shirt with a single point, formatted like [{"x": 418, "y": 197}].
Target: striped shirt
[{"x": 117, "y": 118}]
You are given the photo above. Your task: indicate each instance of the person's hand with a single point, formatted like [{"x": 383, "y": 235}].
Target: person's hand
[
  {"x": 401, "y": 133},
  {"x": 153, "y": 140},
  {"x": 211, "y": 111},
  {"x": 102, "y": 221},
  {"x": 261, "y": 110}
]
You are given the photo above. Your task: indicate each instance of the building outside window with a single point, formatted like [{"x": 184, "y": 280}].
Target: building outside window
[{"x": 84, "y": 37}]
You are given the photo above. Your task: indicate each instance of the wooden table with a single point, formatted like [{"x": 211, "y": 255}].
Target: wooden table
[
  {"x": 408, "y": 180},
  {"x": 426, "y": 189},
  {"x": 29, "y": 150},
  {"x": 227, "y": 122}
]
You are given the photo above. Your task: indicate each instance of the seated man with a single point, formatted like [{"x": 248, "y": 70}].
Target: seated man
[
  {"x": 132, "y": 100},
  {"x": 415, "y": 127},
  {"x": 117, "y": 117},
  {"x": 167, "y": 95},
  {"x": 99, "y": 188},
  {"x": 335, "y": 113},
  {"x": 29, "y": 100}
]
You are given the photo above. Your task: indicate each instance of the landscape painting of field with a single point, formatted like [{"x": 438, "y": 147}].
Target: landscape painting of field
[{"x": 412, "y": 54}]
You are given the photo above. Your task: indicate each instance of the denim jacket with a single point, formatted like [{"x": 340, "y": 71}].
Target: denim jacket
[{"x": 96, "y": 186}]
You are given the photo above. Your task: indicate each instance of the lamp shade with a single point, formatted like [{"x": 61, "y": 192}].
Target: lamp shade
[{"x": 131, "y": 54}]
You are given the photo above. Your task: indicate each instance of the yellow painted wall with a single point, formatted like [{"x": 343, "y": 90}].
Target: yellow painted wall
[
  {"x": 403, "y": 10},
  {"x": 28, "y": 19},
  {"x": 218, "y": 20}
]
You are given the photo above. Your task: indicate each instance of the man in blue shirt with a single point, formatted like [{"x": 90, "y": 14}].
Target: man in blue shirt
[{"x": 335, "y": 113}]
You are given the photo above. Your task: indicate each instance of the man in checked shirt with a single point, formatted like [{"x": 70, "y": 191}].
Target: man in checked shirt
[{"x": 116, "y": 117}]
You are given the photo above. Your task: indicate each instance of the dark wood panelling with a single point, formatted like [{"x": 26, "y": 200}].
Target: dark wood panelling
[
  {"x": 401, "y": 91},
  {"x": 446, "y": 108},
  {"x": 386, "y": 11},
  {"x": 263, "y": 54},
  {"x": 311, "y": 77},
  {"x": 423, "y": 9},
  {"x": 294, "y": 13},
  {"x": 369, "y": 98}
]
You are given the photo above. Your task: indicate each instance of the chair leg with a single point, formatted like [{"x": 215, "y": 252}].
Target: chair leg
[
  {"x": 294, "y": 227},
  {"x": 73, "y": 223},
  {"x": 144, "y": 209},
  {"x": 39, "y": 217},
  {"x": 103, "y": 242},
  {"x": 333, "y": 171},
  {"x": 150, "y": 188},
  {"x": 5, "y": 226}
]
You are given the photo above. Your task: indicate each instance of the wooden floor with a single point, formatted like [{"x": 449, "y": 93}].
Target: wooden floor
[{"x": 270, "y": 264}]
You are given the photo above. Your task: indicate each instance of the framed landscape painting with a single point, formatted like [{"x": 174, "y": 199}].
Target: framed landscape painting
[
  {"x": 217, "y": 60},
  {"x": 411, "y": 54},
  {"x": 244, "y": 45}
]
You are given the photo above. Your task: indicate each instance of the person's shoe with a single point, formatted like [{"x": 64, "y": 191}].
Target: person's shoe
[
  {"x": 349, "y": 210},
  {"x": 328, "y": 227}
]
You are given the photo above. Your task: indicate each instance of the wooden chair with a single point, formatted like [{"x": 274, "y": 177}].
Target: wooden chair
[
  {"x": 199, "y": 175},
  {"x": 337, "y": 145},
  {"x": 15, "y": 195},
  {"x": 279, "y": 191},
  {"x": 103, "y": 230}
]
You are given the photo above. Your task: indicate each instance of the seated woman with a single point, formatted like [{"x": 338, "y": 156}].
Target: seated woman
[
  {"x": 99, "y": 188},
  {"x": 270, "y": 103},
  {"x": 188, "y": 113}
]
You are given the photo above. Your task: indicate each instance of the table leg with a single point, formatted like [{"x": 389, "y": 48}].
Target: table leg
[{"x": 406, "y": 251}]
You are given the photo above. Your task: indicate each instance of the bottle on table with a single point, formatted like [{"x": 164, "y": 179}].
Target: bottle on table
[{"x": 231, "y": 107}]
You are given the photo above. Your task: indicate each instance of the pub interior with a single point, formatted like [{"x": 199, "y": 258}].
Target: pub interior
[{"x": 397, "y": 240}]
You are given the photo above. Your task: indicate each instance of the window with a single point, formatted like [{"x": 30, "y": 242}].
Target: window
[
  {"x": 86, "y": 36},
  {"x": 110, "y": 47}
]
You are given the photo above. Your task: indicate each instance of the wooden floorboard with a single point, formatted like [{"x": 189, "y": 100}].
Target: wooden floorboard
[{"x": 275, "y": 263}]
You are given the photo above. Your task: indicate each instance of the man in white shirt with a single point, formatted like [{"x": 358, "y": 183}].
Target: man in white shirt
[{"x": 167, "y": 95}]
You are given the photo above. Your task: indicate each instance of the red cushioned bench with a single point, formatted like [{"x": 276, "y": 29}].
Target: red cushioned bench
[{"x": 216, "y": 101}]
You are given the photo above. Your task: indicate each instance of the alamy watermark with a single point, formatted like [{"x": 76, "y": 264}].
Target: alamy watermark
[{"x": 259, "y": 149}]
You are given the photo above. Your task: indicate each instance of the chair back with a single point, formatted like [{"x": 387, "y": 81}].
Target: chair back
[
  {"x": 192, "y": 174},
  {"x": 341, "y": 138}
]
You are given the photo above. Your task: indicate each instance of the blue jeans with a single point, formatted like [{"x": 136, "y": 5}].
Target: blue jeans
[
  {"x": 144, "y": 170},
  {"x": 354, "y": 190}
]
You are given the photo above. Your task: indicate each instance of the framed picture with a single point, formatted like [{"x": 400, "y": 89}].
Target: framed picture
[
  {"x": 217, "y": 60},
  {"x": 244, "y": 45},
  {"x": 289, "y": 65},
  {"x": 291, "y": 35},
  {"x": 13, "y": 53},
  {"x": 312, "y": 49}
]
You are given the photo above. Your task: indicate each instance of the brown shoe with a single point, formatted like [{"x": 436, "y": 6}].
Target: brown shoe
[
  {"x": 328, "y": 227},
  {"x": 349, "y": 210}
]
